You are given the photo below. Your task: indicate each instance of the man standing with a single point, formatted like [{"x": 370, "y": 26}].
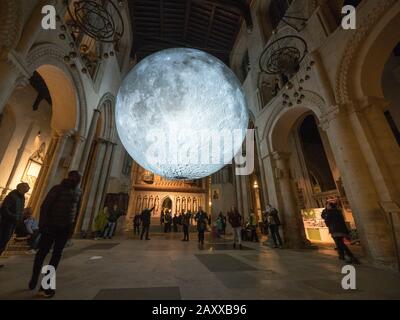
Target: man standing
[
  {"x": 235, "y": 220},
  {"x": 338, "y": 229},
  {"x": 274, "y": 224},
  {"x": 146, "y": 218},
  {"x": 186, "y": 223},
  {"x": 58, "y": 215},
  {"x": 202, "y": 221},
  {"x": 137, "y": 220},
  {"x": 11, "y": 214}
]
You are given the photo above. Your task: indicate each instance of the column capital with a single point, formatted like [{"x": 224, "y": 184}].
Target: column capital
[
  {"x": 367, "y": 102},
  {"x": 279, "y": 155},
  {"x": 16, "y": 61}
]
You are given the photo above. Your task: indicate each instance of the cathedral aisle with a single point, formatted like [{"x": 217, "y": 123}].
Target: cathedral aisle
[{"x": 166, "y": 268}]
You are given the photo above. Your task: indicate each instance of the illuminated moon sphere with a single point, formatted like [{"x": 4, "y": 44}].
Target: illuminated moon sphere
[{"x": 172, "y": 104}]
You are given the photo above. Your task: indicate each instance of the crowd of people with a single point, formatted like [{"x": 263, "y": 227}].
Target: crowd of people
[{"x": 60, "y": 208}]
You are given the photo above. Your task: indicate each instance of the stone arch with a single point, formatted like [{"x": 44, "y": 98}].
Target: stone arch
[
  {"x": 283, "y": 120},
  {"x": 65, "y": 86},
  {"x": 12, "y": 24},
  {"x": 367, "y": 52}
]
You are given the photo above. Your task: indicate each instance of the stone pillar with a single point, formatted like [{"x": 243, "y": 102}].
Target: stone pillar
[
  {"x": 86, "y": 212},
  {"x": 77, "y": 152},
  {"x": 89, "y": 140},
  {"x": 104, "y": 174},
  {"x": 293, "y": 227},
  {"x": 264, "y": 188},
  {"x": 360, "y": 188},
  {"x": 379, "y": 145}
]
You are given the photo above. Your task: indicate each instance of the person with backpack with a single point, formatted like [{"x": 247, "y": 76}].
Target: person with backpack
[
  {"x": 336, "y": 224},
  {"x": 235, "y": 219}
]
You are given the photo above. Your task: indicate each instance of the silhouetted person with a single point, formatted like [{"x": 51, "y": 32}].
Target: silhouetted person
[
  {"x": 253, "y": 223},
  {"x": 113, "y": 216},
  {"x": 186, "y": 224},
  {"x": 235, "y": 220},
  {"x": 137, "y": 220},
  {"x": 146, "y": 219},
  {"x": 11, "y": 214},
  {"x": 58, "y": 215},
  {"x": 175, "y": 223},
  {"x": 202, "y": 221},
  {"x": 274, "y": 224},
  {"x": 337, "y": 228}
]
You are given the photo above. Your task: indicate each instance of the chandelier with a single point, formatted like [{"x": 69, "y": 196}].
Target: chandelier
[
  {"x": 99, "y": 19},
  {"x": 284, "y": 55}
]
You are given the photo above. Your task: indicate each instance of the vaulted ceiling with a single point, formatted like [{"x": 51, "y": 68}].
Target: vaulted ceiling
[{"x": 208, "y": 25}]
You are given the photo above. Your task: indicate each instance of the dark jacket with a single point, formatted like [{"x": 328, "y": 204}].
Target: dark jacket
[
  {"x": 202, "y": 221},
  {"x": 12, "y": 209},
  {"x": 61, "y": 206},
  {"x": 334, "y": 220},
  {"x": 235, "y": 219},
  {"x": 113, "y": 215},
  {"x": 146, "y": 217},
  {"x": 137, "y": 220},
  {"x": 273, "y": 218}
]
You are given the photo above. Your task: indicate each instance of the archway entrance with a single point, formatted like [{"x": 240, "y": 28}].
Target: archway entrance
[
  {"x": 37, "y": 125},
  {"x": 317, "y": 180},
  {"x": 167, "y": 204}
]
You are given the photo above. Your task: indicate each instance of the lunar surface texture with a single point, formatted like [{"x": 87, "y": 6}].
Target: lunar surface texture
[{"x": 181, "y": 114}]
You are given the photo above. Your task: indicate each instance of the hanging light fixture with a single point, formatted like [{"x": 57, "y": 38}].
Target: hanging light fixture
[{"x": 99, "y": 19}]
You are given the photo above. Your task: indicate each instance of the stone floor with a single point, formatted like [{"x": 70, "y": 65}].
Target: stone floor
[{"x": 168, "y": 269}]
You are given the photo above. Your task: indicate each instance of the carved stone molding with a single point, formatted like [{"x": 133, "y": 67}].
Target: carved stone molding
[
  {"x": 353, "y": 48},
  {"x": 11, "y": 24},
  {"x": 50, "y": 54}
]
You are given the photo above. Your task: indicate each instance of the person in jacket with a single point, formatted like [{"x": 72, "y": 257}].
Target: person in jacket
[
  {"x": 100, "y": 223},
  {"x": 235, "y": 220},
  {"x": 146, "y": 219},
  {"x": 113, "y": 217},
  {"x": 58, "y": 215},
  {"x": 202, "y": 221},
  {"x": 253, "y": 224},
  {"x": 338, "y": 229},
  {"x": 274, "y": 223},
  {"x": 186, "y": 217},
  {"x": 137, "y": 220},
  {"x": 11, "y": 213},
  {"x": 175, "y": 220}
]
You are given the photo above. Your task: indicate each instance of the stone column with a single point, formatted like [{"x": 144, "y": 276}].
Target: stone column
[
  {"x": 89, "y": 140},
  {"x": 104, "y": 174},
  {"x": 360, "y": 188},
  {"x": 85, "y": 215},
  {"x": 77, "y": 152},
  {"x": 379, "y": 145},
  {"x": 264, "y": 188},
  {"x": 293, "y": 227}
]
